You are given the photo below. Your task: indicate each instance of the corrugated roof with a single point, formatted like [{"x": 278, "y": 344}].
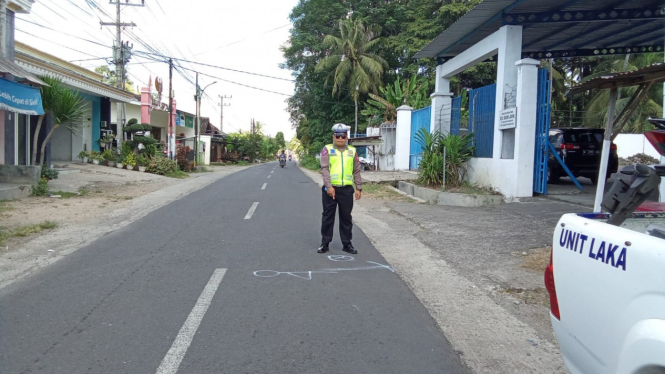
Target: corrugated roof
[
  {"x": 9, "y": 67},
  {"x": 651, "y": 73},
  {"x": 580, "y": 31}
]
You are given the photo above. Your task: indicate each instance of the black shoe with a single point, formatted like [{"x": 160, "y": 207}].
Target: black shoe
[
  {"x": 348, "y": 248},
  {"x": 323, "y": 248}
]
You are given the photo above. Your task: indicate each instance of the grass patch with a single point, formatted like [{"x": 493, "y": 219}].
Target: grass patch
[
  {"x": 23, "y": 231},
  {"x": 311, "y": 163},
  {"x": 65, "y": 194},
  {"x": 179, "y": 174},
  {"x": 243, "y": 163},
  {"x": 382, "y": 192},
  {"x": 219, "y": 163}
]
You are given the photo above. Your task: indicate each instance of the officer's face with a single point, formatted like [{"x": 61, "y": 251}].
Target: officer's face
[{"x": 339, "y": 139}]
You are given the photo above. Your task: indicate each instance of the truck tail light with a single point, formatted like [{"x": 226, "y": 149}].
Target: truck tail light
[
  {"x": 657, "y": 140},
  {"x": 569, "y": 146},
  {"x": 549, "y": 285},
  {"x": 613, "y": 147}
]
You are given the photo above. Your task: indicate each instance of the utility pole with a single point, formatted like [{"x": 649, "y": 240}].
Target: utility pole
[
  {"x": 221, "y": 109},
  {"x": 171, "y": 124},
  {"x": 119, "y": 49},
  {"x": 121, "y": 55},
  {"x": 198, "y": 124}
]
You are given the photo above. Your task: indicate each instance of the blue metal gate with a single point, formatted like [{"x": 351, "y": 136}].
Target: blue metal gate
[
  {"x": 481, "y": 118},
  {"x": 419, "y": 119},
  {"x": 456, "y": 115},
  {"x": 542, "y": 133}
]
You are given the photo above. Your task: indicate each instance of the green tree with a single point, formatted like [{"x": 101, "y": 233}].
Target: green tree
[
  {"x": 393, "y": 96},
  {"x": 64, "y": 106},
  {"x": 110, "y": 78},
  {"x": 353, "y": 61},
  {"x": 279, "y": 139}
]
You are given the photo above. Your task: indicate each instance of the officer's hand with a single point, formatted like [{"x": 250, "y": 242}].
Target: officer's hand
[
  {"x": 358, "y": 193},
  {"x": 331, "y": 192}
]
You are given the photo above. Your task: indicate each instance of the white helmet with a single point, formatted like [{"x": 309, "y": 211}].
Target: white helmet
[{"x": 340, "y": 127}]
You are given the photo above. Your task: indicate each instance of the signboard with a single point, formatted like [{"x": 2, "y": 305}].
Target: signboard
[
  {"x": 20, "y": 98},
  {"x": 189, "y": 122},
  {"x": 508, "y": 119}
]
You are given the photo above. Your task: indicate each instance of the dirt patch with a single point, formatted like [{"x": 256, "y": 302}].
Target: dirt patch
[
  {"x": 94, "y": 201},
  {"x": 537, "y": 296},
  {"x": 537, "y": 259}
]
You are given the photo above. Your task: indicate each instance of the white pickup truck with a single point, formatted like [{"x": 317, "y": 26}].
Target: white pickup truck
[{"x": 606, "y": 281}]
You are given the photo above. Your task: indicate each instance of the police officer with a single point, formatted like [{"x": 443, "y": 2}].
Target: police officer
[{"x": 340, "y": 169}]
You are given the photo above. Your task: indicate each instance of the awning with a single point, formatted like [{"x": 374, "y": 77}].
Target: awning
[
  {"x": 20, "y": 98},
  {"x": 9, "y": 67}
]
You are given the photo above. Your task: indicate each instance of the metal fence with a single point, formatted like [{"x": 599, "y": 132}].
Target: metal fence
[
  {"x": 481, "y": 118},
  {"x": 456, "y": 115},
  {"x": 542, "y": 132},
  {"x": 419, "y": 119}
]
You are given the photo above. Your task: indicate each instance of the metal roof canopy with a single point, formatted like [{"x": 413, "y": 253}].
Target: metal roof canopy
[
  {"x": 644, "y": 78},
  {"x": 559, "y": 28}
]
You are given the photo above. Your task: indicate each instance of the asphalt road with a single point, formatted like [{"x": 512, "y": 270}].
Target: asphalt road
[{"x": 182, "y": 290}]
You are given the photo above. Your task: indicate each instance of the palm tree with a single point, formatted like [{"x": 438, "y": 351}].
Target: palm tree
[
  {"x": 64, "y": 106},
  {"x": 404, "y": 92},
  {"x": 353, "y": 59}
]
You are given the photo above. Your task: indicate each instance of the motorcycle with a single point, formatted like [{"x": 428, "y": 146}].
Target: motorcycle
[{"x": 282, "y": 162}]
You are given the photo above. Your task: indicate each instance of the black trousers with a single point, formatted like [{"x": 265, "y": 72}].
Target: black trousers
[{"x": 343, "y": 199}]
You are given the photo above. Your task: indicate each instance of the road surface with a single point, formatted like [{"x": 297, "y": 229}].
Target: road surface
[{"x": 224, "y": 280}]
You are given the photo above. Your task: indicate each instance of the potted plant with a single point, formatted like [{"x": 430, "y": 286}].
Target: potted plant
[
  {"x": 142, "y": 162},
  {"x": 94, "y": 157},
  {"x": 83, "y": 155},
  {"x": 129, "y": 162},
  {"x": 107, "y": 156},
  {"x": 106, "y": 140},
  {"x": 118, "y": 161}
]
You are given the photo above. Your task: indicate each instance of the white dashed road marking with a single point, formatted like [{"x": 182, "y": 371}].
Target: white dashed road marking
[
  {"x": 264, "y": 186},
  {"x": 251, "y": 210},
  {"x": 174, "y": 356}
]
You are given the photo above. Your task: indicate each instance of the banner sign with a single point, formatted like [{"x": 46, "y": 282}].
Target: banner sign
[
  {"x": 189, "y": 122},
  {"x": 20, "y": 98}
]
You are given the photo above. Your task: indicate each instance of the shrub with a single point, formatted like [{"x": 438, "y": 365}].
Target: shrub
[
  {"x": 142, "y": 160},
  {"x": 181, "y": 158},
  {"x": 41, "y": 189},
  {"x": 458, "y": 152},
  {"x": 310, "y": 162},
  {"x": 94, "y": 155},
  {"x": 161, "y": 166},
  {"x": 49, "y": 173},
  {"x": 82, "y": 155},
  {"x": 430, "y": 169},
  {"x": 107, "y": 155},
  {"x": 129, "y": 160}
]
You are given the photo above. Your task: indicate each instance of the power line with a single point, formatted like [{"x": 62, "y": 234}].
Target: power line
[
  {"x": 62, "y": 32},
  {"x": 62, "y": 45}
]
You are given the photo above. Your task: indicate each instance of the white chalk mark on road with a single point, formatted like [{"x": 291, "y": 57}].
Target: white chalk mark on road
[
  {"x": 264, "y": 186},
  {"x": 174, "y": 356},
  {"x": 308, "y": 274},
  {"x": 251, "y": 210},
  {"x": 340, "y": 258}
]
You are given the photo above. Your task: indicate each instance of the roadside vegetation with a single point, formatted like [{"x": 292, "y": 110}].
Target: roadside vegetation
[
  {"x": 23, "y": 231},
  {"x": 310, "y": 162}
]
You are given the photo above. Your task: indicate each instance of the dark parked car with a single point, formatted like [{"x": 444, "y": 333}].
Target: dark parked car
[{"x": 580, "y": 149}]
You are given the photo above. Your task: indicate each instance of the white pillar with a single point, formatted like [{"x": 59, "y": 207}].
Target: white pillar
[
  {"x": 403, "y": 137},
  {"x": 661, "y": 189},
  {"x": 525, "y": 131},
  {"x": 441, "y": 104},
  {"x": 510, "y": 52}
]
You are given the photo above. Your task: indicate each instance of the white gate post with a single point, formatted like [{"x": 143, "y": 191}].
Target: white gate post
[
  {"x": 525, "y": 131},
  {"x": 442, "y": 102},
  {"x": 403, "y": 137}
]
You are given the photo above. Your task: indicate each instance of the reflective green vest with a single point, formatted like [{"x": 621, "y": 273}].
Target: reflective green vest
[{"x": 341, "y": 165}]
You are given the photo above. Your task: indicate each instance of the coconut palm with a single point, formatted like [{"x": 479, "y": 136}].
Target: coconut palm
[
  {"x": 352, "y": 61},
  {"x": 64, "y": 106}
]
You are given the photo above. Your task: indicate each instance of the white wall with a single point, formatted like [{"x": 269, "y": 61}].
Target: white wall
[
  {"x": 632, "y": 144},
  {"x": 386, "y": 151},
  {"x": 189, "y": 132},
  {"x": 131, "y": 111},
  {"x": 206, "y": 139}
]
